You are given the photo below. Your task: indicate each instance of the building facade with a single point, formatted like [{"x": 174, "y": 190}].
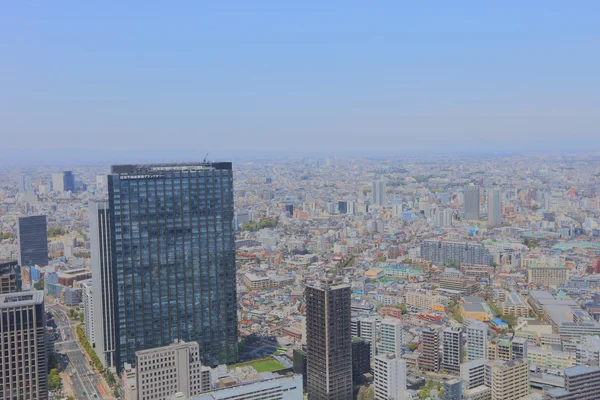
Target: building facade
[
  {"x": 329, "y": 343},
  {"x": 103, "y": 282},
  {"x": 430, "y": 352},
  {"x": 10, "y": 277},
  {"x": 164, "y": 371},
  {"x": 509, "y": 380},
  {"x": 23, "y": 359},
  {"x": 477, "y": 339},
  {"x": 33, "y": 241},
  {"x": 443, "y": 252},
  {"x": 389, "y": 375},
  {"x": 173, "y": 256},
  {"x": 391, "y": 337},
  {"x": 494, "y": 208},
  {"x": 452, "y": 350},
  {"x": 471, "y": 202}
]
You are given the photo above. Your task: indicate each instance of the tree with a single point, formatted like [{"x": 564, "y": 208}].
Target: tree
[
  {"x": 413, "y": 346},
  {"x": 39, "y": 285},
  {"x": 54, "y": 381}
]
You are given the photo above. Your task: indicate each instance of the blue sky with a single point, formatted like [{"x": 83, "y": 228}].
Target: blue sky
[{"x": 180, "y": 78}]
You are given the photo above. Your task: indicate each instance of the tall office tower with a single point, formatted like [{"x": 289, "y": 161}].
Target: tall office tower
[
  {"x": 351, "y": 208},
  {"x": 509, "y": 380},
  {"x": 33, "y": 241},
  {"x": 452, "y": 354},
  {"x": 547, "y": 197},
  {"x": 103, "y": 282},
  {"x": 89, "y": 319},
  {"x": 581, "y": 383},
  {"x": 389, "y": 376},
  {"x": 343, "y": 207},
  {"x": 368, "y": 332},
  {"x": 329, "y": 342},
  {"x": 471, "y": 202},
  {"x": 378, "y": 193},
  {"x": 69, "y": 181},
  {"x": 391, "y": 337},
  {"x": 452, "y": 390},
  {"x": 10, "y": 277},
  {"x": 430, "y": 355},
  {"x": 58, "y": 183},
  {"x": 164, "y": 371},
  {"x": 173, "y": 256},
  {"x": 494, "y": 207},
  {"x": 23, "y": 359},
  {"x": 25, "y": 184},
  {"x": 289, "y": 210},
  {"x": 477, "y": 339}
]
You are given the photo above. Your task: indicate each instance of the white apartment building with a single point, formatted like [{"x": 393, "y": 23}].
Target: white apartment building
[
  {"x": 89, "y": 324},
  {"x": 509, "y": 380},
  {"x": 165, "y": 371},
  {"x": 477, "y": 339},
  {"x": 391, "y": 337},
  {"x": 389, "y": 377},
  {"x": 368, "y": 332}
]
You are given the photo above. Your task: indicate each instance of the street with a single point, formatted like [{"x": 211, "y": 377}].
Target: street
[{"x": 84, "y": 379}]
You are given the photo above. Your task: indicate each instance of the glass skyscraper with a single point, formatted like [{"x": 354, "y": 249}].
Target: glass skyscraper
[
  {"x": 173, "y": 256},
  {"x": 33, "y": 241}
]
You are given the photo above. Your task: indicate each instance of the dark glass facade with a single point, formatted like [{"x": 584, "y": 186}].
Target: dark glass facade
[
  {"x": 33, "y": 241},
  {"x": 173, "y": 257}
]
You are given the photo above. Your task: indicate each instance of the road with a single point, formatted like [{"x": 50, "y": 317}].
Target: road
[{"x": 84, "y": 379}]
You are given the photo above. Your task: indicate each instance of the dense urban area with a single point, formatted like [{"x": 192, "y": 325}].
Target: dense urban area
[{"x": 322, "y": 278}]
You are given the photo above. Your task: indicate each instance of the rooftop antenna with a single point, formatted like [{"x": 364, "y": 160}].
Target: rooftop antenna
[{"x": 205, "y": 157}]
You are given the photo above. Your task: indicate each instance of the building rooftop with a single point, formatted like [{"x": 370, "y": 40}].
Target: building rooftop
[
  {"x": 136, "y": 169},
  {"x": 21, "y": 299},
  {"x": 580, "y": 370}
]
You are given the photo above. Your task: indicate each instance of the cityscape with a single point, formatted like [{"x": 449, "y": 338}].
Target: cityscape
[
  {"x": 326, "y": 278},
  {"x": 274, "y": 200}
]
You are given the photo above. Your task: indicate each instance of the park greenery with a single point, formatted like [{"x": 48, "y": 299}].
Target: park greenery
[
  {"x": 52, "y": 232},
  {"x": 254, "y": 226}
]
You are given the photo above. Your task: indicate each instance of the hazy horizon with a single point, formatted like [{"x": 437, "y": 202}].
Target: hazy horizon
[{"x": 152, "y": 81}]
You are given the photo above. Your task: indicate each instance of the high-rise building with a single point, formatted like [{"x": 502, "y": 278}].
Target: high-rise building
[
  {"x": 89, "y": 319},
  {"x": 452, "y": 390},
  {"x": 173, "y": 256},
  {"x": 471, "y": 202},
  {"x": 63, "y": 182},
  {"x": 342, "y": 207},
  {"x": 23, "y": 359},
  {"x": 329, "y": 342},
  {"x": 389, "y": 376},
  {"x": 430, "y": 354},
  {"x": 477, "y": 339},
  {"x": 368, "y": 332},
  {"x": 509, "y": 380},
  {"x": 361, "y": 356},
  {"x": 581, "y": 383},
  {"x": 378, "y": 193},
  {"x": 452, "y": 353},
  {"x": 10, "y": 277},
  {"x": 33, "y": 241},
  {"x": 494, "y": 207},
  {"x": 25, "y": 184},
  {"x": 391, "y": 337},
  {"x": 164, "y": 371},
  {"x": 103, "y": 282}
]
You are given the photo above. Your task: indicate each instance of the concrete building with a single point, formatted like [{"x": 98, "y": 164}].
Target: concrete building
[
  {"x": 471, "y": 202},
  {"x": 509, "y": 380},
  {"x": 257, "y": 282},
  {"x": 368, "y": 332},
  {"x": 24, "y": 355},
  {"x": 10, "y": 277},
  {"x": 477, "y": 339},
  {"x": 164, "y": 371},
  {"x": 89, "y": 319},
  {"x": 442, "y": 252},
  {"x": 472, "y": 373},
  {"x": 329, "y": 341},
  {"x": 494, "y": 208},
  {"x": 452, "y": 350},
  {"x": 361, "y": 356},
  {"x": 548, "y": 275},
  {"x": 581, "y": 383},
  {"x": 33, "y": 241},
  {"x": 515, "y": 305},
  {"x": 102, "y": 282},
  {"x": 452, "y": 390},
  {"x": 389, "y": 375},
  {"x": 391, "y": 337},
  {"x": 430, "y": 350},
  {"x": 273, "y": 388},
  {"x": 378, "y": 193}
]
